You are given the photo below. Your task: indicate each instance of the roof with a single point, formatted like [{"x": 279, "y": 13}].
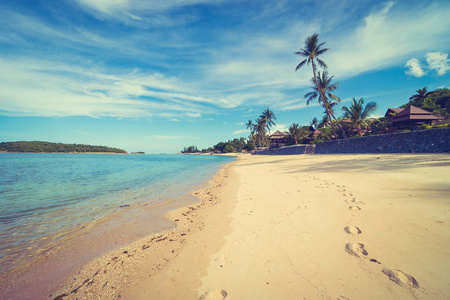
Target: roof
[
  {"x": 393, "y": 110},
  {"x": 278, "y": 134},
  {"x": 414, "y": 113}
]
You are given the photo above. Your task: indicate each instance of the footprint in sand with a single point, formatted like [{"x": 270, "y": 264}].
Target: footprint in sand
[
  {"x": 401, "y": 278},
  {"x": 352, "y": 230},
  {"x": 354, "y": 208},
  {"x": 214, "y": 295},
  {"x": 353, "y": 200},
  {"x": 302, "y": 207},
  {"x": 342, "y": 298},
  {"x": 356, "y": 249}
]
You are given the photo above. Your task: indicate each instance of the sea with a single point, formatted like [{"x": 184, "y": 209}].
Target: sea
[{"x": 48, "y": 200}]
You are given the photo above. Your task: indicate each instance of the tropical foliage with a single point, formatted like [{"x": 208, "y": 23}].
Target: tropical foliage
[
  {"x": 296, "y": 134},
  {"x": 437, "y": 101},
  {"x": 311, "y": 52},
  {"x": 46, "y": 147},
  {"x": 358, "y": 114},
  {"x": 260, "y": 128}
]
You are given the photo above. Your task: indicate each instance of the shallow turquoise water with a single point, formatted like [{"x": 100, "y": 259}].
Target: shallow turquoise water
[{"x": 45, "y": 198}]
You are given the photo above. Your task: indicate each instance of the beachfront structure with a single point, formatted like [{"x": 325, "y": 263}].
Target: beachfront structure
[
  {"x": 278, "y": 138},
  {"x": 412, "y": 117},
  {"x": 392, "y": 112}
]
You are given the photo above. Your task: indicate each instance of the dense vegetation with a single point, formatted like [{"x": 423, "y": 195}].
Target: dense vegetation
[
  {"x": 46, "y": 147},
  {"x": 437, "y": 101}
]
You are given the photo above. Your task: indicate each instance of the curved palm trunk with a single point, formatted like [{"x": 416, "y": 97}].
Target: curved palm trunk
[
  {"x": 327, "y": 111},
  {"x": 358, "y": 128},
  {"x": 330, "y": 114},
  {"x": 339, "y": 125}
]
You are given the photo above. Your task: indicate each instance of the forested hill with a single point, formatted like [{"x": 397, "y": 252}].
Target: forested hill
[{"x": 46, "y": 147}]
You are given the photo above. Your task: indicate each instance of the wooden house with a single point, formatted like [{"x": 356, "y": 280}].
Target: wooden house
[{"x": 412, "y": 117}]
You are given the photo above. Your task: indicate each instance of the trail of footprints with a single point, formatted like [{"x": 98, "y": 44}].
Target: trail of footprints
[{"x": 359, "y": 250}]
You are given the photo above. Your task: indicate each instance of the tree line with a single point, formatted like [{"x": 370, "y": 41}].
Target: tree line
[{"x": 47, "y": 147}]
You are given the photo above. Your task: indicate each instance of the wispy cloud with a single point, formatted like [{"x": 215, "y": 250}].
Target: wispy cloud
[
  {"x": 389, "y": 35},
  {"x": 180, "y": 73}
]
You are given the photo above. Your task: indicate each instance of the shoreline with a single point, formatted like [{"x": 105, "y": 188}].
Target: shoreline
[
  {"x": 93, "y": 279},
  {"x": 64, "y": 259}
]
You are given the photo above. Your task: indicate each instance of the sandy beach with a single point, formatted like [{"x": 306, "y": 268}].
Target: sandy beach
[{"x": 294, "y": 227}]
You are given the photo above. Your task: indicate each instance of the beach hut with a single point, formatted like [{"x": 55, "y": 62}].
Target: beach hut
[
  {"x": 277, "y": 139},
  {"x": 412, "y": 117}
]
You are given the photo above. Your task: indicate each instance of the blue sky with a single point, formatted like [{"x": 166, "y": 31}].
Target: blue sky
[{"x": 157, "y": 76}]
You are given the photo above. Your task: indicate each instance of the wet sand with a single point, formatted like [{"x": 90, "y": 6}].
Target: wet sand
[{"x": 294, "y": 227}]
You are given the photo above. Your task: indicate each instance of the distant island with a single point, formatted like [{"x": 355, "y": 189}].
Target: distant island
[{"x": 46, "y": 147}]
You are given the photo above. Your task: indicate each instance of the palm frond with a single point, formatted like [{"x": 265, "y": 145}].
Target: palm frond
[
  {"x": 301, "y": 64},
  {"x": 322, "y": 63}
]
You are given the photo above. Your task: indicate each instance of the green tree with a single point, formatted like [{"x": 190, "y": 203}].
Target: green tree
[
  {"x": 380, "y": 126},
  {"x": 260, "y": 128},
  {"x": 311, "y": 52},
  {"x": 419, "y": 98},
  {"x": 190, "y": 149},
  {"x": 314, "y": 123},
  {"x": 266, "y": 121},
  {"x": 323, "y": 89},
  {"x": 297, "y": 133},
  {"x": 359, "y": 114}
]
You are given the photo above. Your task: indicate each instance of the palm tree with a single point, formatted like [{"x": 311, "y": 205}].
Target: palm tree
[
  {"x": 314, "y": 123},
  {"x": 260, "y": 129},
  {"x": 419, "y": 98},
  {"x": 267, "y": 118},
  {"x": 359, "y": 114},
  {"x": 251, "y": 126},
  {"x": 297, "y": 133},
  {"x": 322, "y": 89},
  {"x": 311, "y": 52}
]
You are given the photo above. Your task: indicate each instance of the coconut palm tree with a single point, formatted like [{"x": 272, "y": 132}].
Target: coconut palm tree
[
  {"x": 314, "y": 123},
  {"x": 322, "y": 90},
  {"x": 297, "y": 133},
  {"x": 311, "y": 52},
  {"x": 359, "y": 114},
  {"x": 251, "y": 126},
  {"x": 419, "y": 98},
  {"x": 267, "y": 118}
]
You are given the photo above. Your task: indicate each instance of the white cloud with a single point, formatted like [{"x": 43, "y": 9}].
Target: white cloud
[
  {"x": 414, "y": 68},
  {"x": 439, "y": 62},
  {"x": 194, "y": 115},
  {"x": 241, "y": 131},
  {"x": 436, "y": 61}
]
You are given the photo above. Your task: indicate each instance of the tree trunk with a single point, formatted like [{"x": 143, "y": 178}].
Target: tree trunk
[{"x": 323, "y": 99}]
